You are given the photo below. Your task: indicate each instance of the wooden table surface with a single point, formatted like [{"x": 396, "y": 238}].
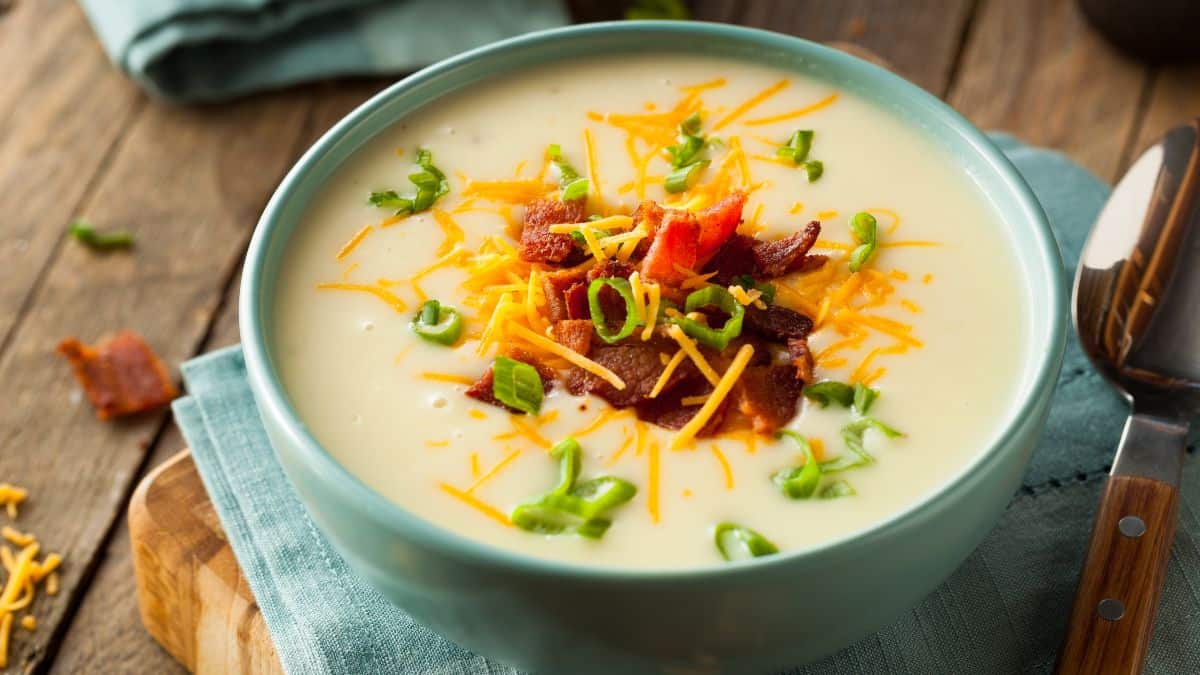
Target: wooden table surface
[{"x": 77, "y": 139}]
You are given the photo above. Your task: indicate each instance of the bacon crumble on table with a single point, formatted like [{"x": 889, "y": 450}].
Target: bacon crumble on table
[{"x": 121, "y": 375}]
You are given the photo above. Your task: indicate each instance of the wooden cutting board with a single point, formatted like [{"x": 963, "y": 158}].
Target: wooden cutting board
[{"x": 191, "y": 593}]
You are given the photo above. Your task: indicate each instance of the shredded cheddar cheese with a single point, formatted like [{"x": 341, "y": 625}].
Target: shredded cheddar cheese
[
  {"x": 749, "y": 104},
  {"x": 793, "y": 114},
  {"x": 569, "y": 354},
  {"x": 382, "y": 293},
  {"x": 653, "y": 482},
  {"x": 510, "y": 191},
  {"x": 668, "y": 370},
  {"x": 349, "y": 247},
  {"x": 688, "y": 346},
  {"x": 24, "y": 572},
  {"x": 454, "y": 233},
  {"x": 476, "y": 503},
  {"x": 11, "y": 497},
  {"x": 725, "y": 468},
  {"x": 492, "y": 472},
  {"x": 720, "y": 391}
]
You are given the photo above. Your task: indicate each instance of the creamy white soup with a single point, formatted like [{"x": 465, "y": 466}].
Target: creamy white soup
[{"x": 783, "y": 438}]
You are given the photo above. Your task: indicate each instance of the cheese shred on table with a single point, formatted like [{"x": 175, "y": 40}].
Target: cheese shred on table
[{"x": 22, "y": 573}]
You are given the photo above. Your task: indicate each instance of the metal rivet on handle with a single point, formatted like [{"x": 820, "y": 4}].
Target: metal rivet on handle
[
  {"x": 1132, "y": 526},
  {"x": 1110, "y": 609}
]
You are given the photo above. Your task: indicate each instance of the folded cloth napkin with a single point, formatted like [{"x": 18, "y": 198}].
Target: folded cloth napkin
[
  {"x": 205, "y": 50},
  {"x": 1003, "y": 611}
]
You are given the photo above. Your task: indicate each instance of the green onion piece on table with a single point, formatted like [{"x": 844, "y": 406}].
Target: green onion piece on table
[
  {"x": 713, "y": 296},
  {"x": 674, "y": 10},
  {"x": 827, "y": 391},
  {"x": 85, "y": 233},
  {"x": 430, "y": 182},
  {"x": 740, "y": 543},
  {"x": 799, "y": 482},
  {"x": 865, "y": 231},
  {"x": 517, "y": 385},
  {"x": 600, "y": 321},
  {"x": 573, "y": 506},
  {"x": 438, "y": 323},
  {"x": 684, "y": 177}
]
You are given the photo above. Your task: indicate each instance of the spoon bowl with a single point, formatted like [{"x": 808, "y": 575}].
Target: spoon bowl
[{"x": 1137, "y": 292}]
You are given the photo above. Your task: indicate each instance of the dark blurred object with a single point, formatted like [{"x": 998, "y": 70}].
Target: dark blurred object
[{"x": 1154, "y": 30}]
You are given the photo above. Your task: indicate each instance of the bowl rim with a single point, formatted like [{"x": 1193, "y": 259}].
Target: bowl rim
[{"x": 1045, "y": 346}]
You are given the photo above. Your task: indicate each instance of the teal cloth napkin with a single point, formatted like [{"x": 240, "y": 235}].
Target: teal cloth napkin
[
  {"x": 206, "y": 50},
  {"x": 1003, "y": 611}
]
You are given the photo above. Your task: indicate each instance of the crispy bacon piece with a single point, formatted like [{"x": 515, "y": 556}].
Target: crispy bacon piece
[
  {"x": 673, "y": 249},
  {"x": 556, "y": 286},
  {"x": 611, "y": 269},
  {"x": 482, "y": 389},
  {"x": 802, "y": 358},
  {"x": 636, "y": 363},
  {"x": 538, "y": 243},
  {"x": 121, "y": 375},
  {"x": 667, "y": 410},
  {"x": 734, "y": 259},
  {"x": 777, "y": 323},
  {"x": 768, "y": 396},
  {"x": 717, "y": 224},
  {"x": 574, "y": 334},
  {"x": 577, "y": 302},
  {"x": 777, "y": 258}
]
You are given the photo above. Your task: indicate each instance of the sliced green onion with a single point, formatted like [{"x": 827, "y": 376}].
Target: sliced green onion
[
  {"x": 686, "y": 151},
  {"x": 828, "y": 391},
  {"x": 573, "y": 185},
  {"x": 852, "y": 436},
  {"x": 572, "y": 506},
  {"x": 864, "y": 396},
  {"x": 438, "y": 323},
  {"x": 799, "y": 482},
  {"x": 713, "y": 296},
  {"x": 740, "y": 543},
  {"x": 682, "y": 178},
  {"x": 691, "y": 125},
  {"x": 815, "y": 168},
  {"x": 797, "y": 146},
  {"x": 85, "y": 233},
  {"x": 576, "y": 189},
  {"x": 864, "y": 228},
  {"x": 836, "y": 489},
  {"x": 430, "y": 182},
  {"x": 768, "y": 290},
  {"x": 622, "y": 287},
  {"x": 570, "y": 457},
  {"x": 517, "y": 385}
]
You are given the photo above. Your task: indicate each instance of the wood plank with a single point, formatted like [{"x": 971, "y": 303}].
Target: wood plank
[
  {"x": 1174, "y": 99},
  {"x": 919, "y": 38},
  {"x": 62, "y": 109},
  {"x": 190, "y": 183},
  {"x": 1036, "y": 68},
  {"x": 108, "y": 613}
]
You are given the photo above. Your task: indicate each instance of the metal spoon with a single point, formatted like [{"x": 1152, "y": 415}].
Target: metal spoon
[{"x": 1137, "y": 311}]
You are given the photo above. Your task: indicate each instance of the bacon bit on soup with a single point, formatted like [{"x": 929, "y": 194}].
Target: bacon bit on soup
[{"x": 121, "y": 375}]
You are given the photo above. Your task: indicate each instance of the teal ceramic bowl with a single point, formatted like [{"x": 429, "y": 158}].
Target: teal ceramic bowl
[{"x": 758, "y": 616}]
